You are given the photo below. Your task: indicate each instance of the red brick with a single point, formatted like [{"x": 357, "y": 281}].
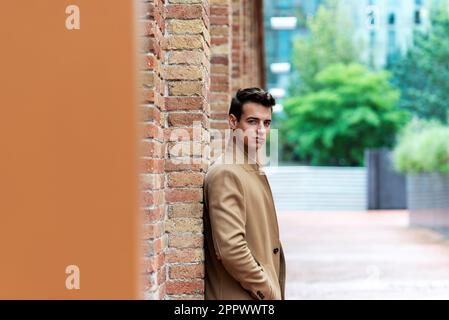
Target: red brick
[
  {"x": 185, "y": 119},
  {"x": 220, "y": 87},
  {"x": 152, "y": 264},
  {"x": 153, "y": 215},
  {"x": 185, "y": 241},
  {"x": 152, "y": 148},
  {"x": 152, "y": 165},
  {"x": 185, "y": 255},
  {"x": 216, "y": 41},
  {"x": 173, "y": 165},
  {"x": 152, "y": 181},
  {"x": 185, "y": 149},
  {"x": 148, "y": 62},
  {"x": 161, "y": 276},
  {"x": 184, "y": 72},
  {"x": 184, "y": 103},
  {"x": 147, "y": 95},
  {"x": 186, "y": 271},
  {"x": 185, "y": 210},
  {"x": 184, "y": 195},
  {"x": 180, "y": 11},
  {"x": 223, "y": 117},
  {"x": 185, "y": 179},
  {"x": 219, "y": 20},
  {"x": 220, "y": 11},
  {"x": 185, "y": 287},
  {"x": 220, "y": 60},
  {"x": 152, "y": 130},
  {"x": 151, "y": 198},
  {"x": 150, "y": 113},
  {"x": 146, "y": 28},
  {"x": 219, "y": 96},
  {"x": 154, "y": 247},
  {"x": 162, "y": 291}
]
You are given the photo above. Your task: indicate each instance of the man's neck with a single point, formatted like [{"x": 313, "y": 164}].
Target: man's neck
[{"x": 250, "y": 156}]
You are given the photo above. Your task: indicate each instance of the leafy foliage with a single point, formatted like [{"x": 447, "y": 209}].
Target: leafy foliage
[
  {"x": 351, "y": 109},
  {"x": 330, "y": 40},
  {"x": 423, "y": 74},
  {"x": 423, "y": 148}
]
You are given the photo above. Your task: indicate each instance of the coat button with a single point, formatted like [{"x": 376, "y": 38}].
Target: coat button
[{"x": 276, "y": 250}]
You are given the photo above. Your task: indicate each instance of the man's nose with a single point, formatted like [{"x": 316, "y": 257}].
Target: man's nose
[{"x": 261, "y": 128}]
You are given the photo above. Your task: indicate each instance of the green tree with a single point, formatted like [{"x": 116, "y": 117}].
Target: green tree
[
  {"x": 352, "y": 109},
  {"x": 330, "y": 40},
  {"x": 423, "y": 73}
]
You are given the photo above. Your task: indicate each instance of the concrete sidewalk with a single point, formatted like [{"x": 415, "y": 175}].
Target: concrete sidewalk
[{"x": 361, "y": 255}]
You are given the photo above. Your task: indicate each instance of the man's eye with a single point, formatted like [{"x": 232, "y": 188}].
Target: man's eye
[{"x": 252, "y": 121}]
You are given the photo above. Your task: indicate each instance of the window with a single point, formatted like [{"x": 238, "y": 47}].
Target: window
[
  {"x": 280, "y": 67},
  {"x": 371, "y": 17},
  {"x": 418, "y": 16},
  {"x": 283, "y": 23},
  {"x": 391, "y": 19},
  {"x": 372, "y": 14}
]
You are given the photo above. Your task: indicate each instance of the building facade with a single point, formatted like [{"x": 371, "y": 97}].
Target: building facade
[
  {"x": 194, "y": 55},
  {"x": 382, "y": 28},
  {"x": 284, "y": 21},
  {"x": 385, "y": 27}
]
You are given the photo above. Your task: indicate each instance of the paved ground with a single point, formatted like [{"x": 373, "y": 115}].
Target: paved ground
[{"x": 360, "y": 255}]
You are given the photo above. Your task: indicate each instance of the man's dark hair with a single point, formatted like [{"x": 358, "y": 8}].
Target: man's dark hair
[{"x": 255, "y": 95}]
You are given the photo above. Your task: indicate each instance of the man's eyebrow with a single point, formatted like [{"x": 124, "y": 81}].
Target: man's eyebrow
[{"x": 255, "y": 118}]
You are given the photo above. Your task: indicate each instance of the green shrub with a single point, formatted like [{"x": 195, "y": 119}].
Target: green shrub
[
  {"x": 352, "y": 109},
  {"x": 423, "y": 148}
]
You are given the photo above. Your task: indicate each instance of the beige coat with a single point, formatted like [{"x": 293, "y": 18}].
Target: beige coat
[{"x": 244, "y": 259}]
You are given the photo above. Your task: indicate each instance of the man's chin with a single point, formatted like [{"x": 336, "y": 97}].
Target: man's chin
[{"x": 257, "y": 146}]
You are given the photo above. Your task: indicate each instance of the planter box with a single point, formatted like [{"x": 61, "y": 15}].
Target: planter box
[
  {"x": 428, "y": 200},
  {"x": 386, "y": 188}
]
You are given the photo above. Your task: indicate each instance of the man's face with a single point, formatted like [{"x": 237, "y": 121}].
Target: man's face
[{"x": 254, "y": 123}]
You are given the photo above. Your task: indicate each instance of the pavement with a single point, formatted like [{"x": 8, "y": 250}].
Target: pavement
[{"x": 362, "y": 255}]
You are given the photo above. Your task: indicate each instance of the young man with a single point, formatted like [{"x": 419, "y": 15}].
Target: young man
[{"x": 244, "y": 259}]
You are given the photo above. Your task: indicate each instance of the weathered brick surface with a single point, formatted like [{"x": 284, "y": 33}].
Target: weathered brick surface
[
  {"x": 153, "y": 178},
  {"x": 192, "y": 56},
  {"x": 188, "y": 69},
  {"x": 221, "y": 42}
]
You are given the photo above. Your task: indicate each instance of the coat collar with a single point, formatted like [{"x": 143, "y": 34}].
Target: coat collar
[{"x": 235, "y": 153}]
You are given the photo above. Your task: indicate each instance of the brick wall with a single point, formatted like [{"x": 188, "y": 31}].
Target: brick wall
[
  {"x": 153, "y": 177},
  {"x": 221, "y": 90},
  {"x": 191, "y": 63},
  {"x": 187, "y": 66}
]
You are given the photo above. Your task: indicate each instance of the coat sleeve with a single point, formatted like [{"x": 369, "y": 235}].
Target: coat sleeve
[{"x": 227, "y": 214}]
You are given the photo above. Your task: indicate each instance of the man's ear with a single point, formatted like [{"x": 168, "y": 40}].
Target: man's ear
[{"x": 233, "y": 121}]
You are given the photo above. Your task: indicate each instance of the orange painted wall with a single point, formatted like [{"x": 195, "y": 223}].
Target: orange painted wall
[{"x": 69, "y": 144}]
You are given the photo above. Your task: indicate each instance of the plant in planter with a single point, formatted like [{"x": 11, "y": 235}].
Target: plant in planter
[{"x": 423, "y": 155}]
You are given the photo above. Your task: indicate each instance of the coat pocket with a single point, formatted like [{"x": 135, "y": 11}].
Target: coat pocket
[
  {"x": 257, "y": 261},
  {"x": 272, "y": 288},
  {"x": 275, "y": 291}
]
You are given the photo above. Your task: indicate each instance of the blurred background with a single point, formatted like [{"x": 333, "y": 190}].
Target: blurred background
[{"x": 363, "y": 186}]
